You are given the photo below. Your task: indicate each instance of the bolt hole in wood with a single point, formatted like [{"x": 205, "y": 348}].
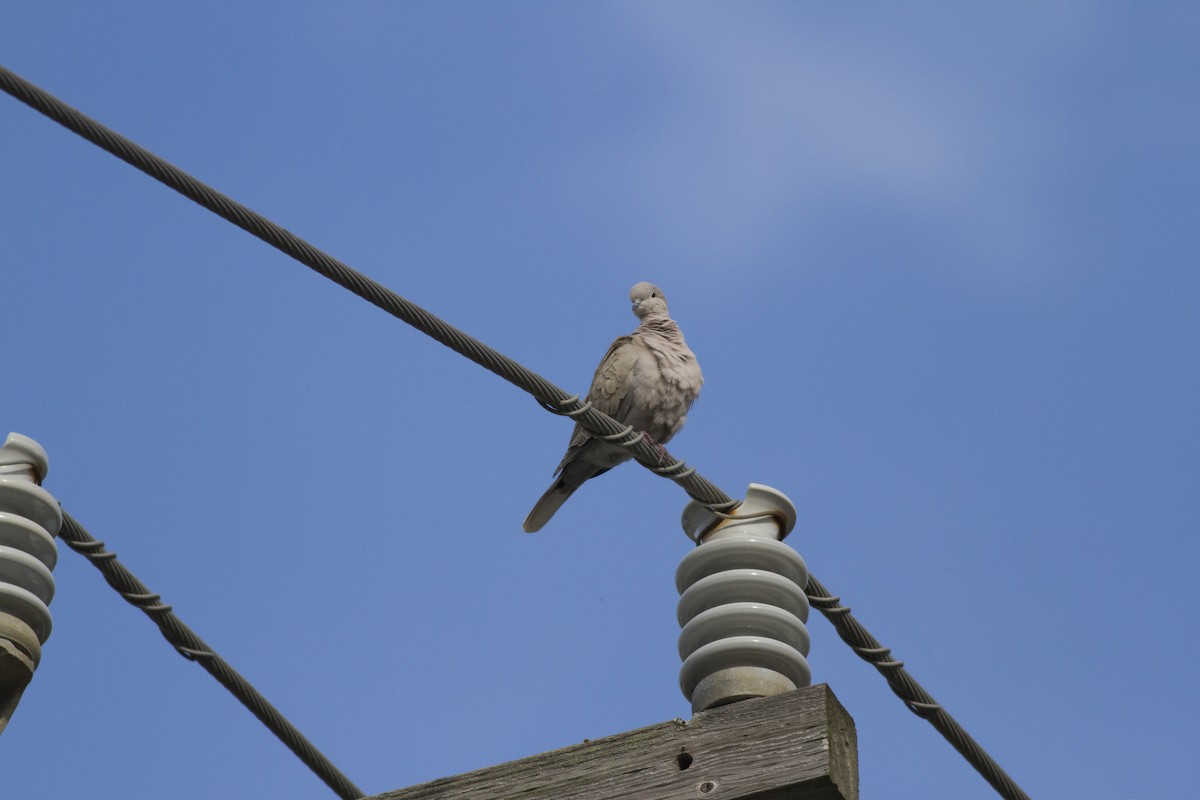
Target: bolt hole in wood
[
  {"x": 684, "y": 759},
  {"x": 707, "y": 787}
]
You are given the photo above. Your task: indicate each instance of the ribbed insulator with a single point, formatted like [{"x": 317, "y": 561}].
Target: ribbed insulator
[
  {"x": 29, "y": 519},
  {"x": 742, "y": 603}
]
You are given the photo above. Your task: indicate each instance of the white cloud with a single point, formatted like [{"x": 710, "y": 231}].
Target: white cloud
[{"x": 764, "y": 122}]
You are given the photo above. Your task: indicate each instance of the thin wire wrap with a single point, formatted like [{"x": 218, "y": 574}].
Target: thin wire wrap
[
  {"x": 552, "y": 398},
  {"x": 562, "y": 412},
  {"x": 907, "y": 689},
  {"x": 193, "y": 648},
  {"x": 679, "y": 468}
]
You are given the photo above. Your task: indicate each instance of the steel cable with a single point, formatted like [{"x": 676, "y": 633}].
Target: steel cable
[
  {"x": 551, "y": 397},
  {"x": 919, "y": 701},
  {"x": 650, "y": 455},
  {"x": 193, "y": 648}
]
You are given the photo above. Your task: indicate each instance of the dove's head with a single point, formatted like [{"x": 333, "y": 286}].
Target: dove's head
[{"x": 647, "y": 299}]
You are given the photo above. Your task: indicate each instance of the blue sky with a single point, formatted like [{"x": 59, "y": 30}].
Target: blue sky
[{"x": 939, "y": 264}]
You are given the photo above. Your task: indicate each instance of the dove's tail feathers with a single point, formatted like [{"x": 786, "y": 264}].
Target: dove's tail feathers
[{"x": 550, "y": 502}]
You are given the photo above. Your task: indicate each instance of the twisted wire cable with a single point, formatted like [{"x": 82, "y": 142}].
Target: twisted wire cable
[
  {"x": 193, "y": 648},
  {"x": 907, "y": 689},
  {"x": 546, "y": 393},
  {"x": 652, "y": 456}
]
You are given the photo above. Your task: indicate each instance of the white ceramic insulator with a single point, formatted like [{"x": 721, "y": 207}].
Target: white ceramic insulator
[
  {"x": 29, "y": 519},
  {"x": 742, "y": 603}
]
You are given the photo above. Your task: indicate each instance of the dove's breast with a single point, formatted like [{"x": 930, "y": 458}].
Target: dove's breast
[{"x": 670, "y": 385}]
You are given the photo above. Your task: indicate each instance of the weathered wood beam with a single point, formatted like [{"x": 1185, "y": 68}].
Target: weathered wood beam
[{"x": 795, "y": 746}]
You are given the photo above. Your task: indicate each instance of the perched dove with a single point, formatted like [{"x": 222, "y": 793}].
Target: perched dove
[{"x": 648, "y": 379}]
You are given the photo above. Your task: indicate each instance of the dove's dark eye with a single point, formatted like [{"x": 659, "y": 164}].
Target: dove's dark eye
[{"x": 654, "y": 294}]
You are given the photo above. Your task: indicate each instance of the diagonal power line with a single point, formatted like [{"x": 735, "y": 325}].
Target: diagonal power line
[
  {"x": 285, "y": 241},
  {"x": 554, "y": 399},
  {"x": 193, "y": 648}
]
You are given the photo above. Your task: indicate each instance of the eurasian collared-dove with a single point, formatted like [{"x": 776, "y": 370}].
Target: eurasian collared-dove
[{"x": 648, "y": 379}]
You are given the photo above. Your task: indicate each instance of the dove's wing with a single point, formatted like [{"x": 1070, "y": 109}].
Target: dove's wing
[
  {"x": 615, "y": 377},
  {"x": 613, "y": 392},
  {"x": 611, "y": 389}
]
